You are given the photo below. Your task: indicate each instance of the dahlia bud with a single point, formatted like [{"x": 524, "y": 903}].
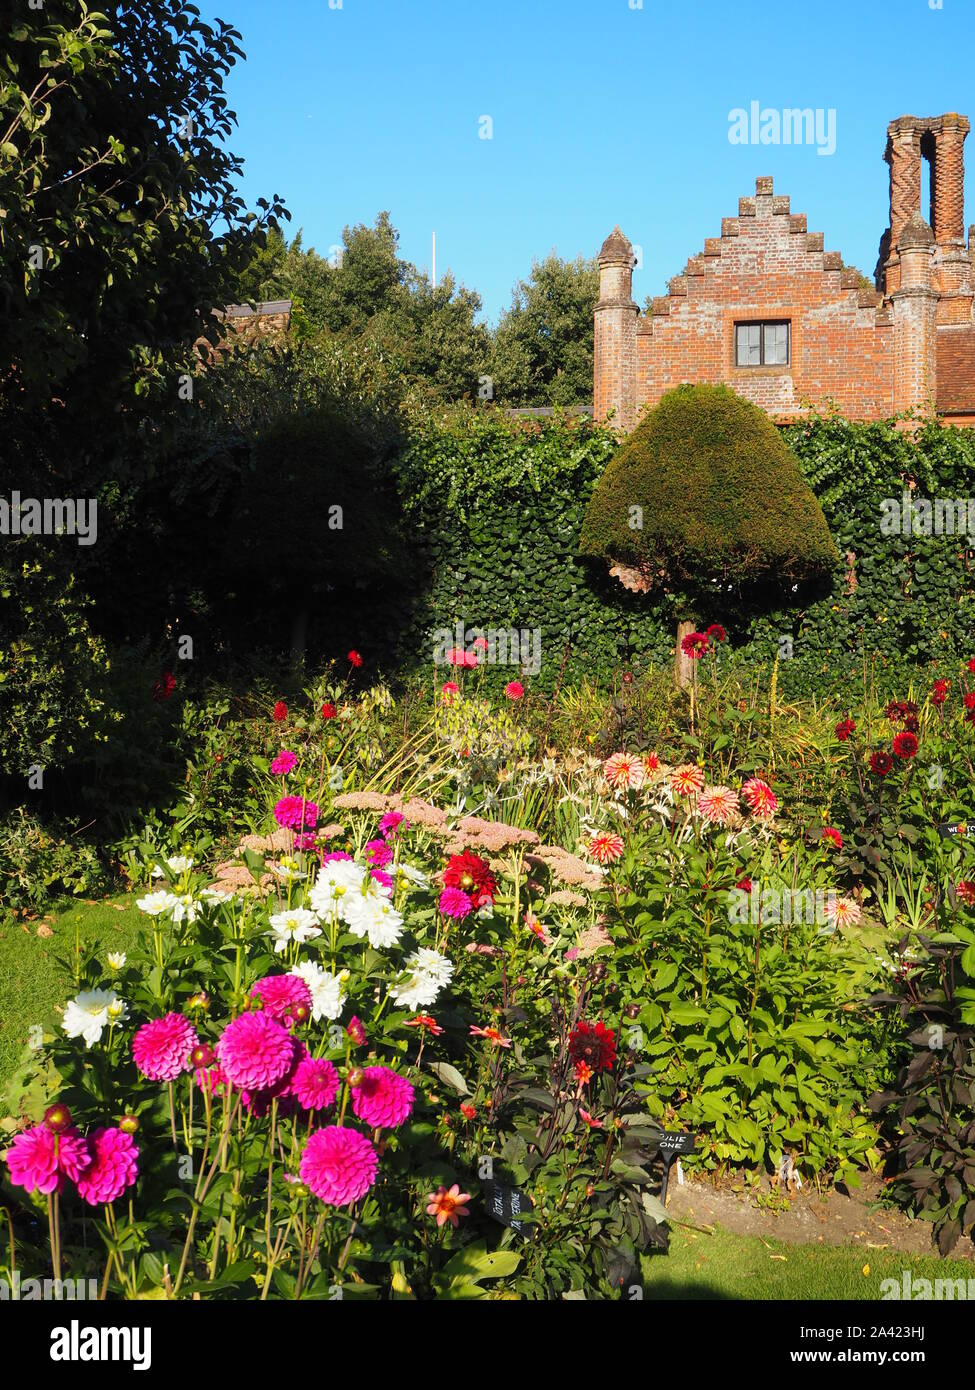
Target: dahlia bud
[
  {"x": 355, "y": 1077},
  {"x": 633, "y": 1010},
  {"x": 201, "y": 1055},
  {"x": 599, "y": 971},
  {"x": 300, "y": 1013},
  {"x": 356, "y": 1031},
  {"x": 199, "y": 1001},
  {"x": 129, "y": 1124},
  {"x": 57, "y": 1118}
]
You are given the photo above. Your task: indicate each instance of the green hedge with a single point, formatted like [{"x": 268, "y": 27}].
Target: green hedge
[{"x": 495, "y": 506}]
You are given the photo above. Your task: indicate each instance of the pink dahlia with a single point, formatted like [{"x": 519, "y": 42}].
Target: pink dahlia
[
  {"x": 514, "y": 690},
  {"x": 717, "y": 805},
  {"x": 339, "y": 1165},
  {"x": 285, "y": 762},
  {"x": 259, "y": 1101},
  {"x": 254, "y": 1051},
  {"x": 623, "y": 771},
  {"x": 212, "y": 1080},
  {"x": 315, "y": 1083},
  {"x": 378, "y": 853},
  {"x": 382, "y": 1098},
  {"x": 161, "y": 1049},
  {"x": 393, "y": 823},
  {"x": 293, "y": 811},
  {"x": 40, "y": 1160},
  {"x": 382, "y": 877},
  {"x": 760, "y": 797},
  {"x": 281, "y": 995},
  {"x": 114, "y": 1167},
  {"x": 454, "y": 902}
]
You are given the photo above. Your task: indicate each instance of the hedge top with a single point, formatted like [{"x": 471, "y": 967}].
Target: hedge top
[{"x": 707, "y": 488}]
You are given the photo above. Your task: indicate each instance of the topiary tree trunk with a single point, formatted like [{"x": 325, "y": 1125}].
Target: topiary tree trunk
[{"x": 684, "y": 669}]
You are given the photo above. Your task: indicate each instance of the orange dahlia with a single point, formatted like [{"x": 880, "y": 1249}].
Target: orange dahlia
[
  {"x": 687, "y": 779},
  {"x": 761, "y": 799},
  {"x": 606, "y": 848}
]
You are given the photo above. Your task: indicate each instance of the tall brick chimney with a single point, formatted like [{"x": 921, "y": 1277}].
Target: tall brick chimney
[
  {"x": 940, "y": 140},
  {"x": 948, "y": 185},
  {"x": 915, "y": 306},
  {"x": 903, "y": 154},
  {"x": 614, "y": 367}
]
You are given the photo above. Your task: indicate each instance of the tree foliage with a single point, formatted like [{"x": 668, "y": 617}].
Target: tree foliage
[
  {"x": 542, "y": 350},
  {"x": 707, "y": 488}
]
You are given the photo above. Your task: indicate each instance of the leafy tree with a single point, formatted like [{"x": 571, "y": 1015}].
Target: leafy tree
[
  {"x": 426, "y": 334},
  {"x": 121, "y": 229},
  {"x": 542, "y": 349},
  {"x": 705, "y": 496}
]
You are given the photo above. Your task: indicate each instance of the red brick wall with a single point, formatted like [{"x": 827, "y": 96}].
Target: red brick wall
[{"x": 765, "y": 265}]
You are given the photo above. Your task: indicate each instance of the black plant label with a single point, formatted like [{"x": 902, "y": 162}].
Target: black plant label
[{"x": 506, "y": 1204}]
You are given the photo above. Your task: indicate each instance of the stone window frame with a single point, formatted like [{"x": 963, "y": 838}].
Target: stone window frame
[
  {"x": 761, "y": 313},
  {"x": 762, "y": 325}
]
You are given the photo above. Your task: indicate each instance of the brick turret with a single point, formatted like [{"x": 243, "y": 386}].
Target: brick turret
[{"x": 615, "y": 333}]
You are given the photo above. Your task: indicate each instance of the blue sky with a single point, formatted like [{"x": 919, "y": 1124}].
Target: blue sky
[{"x": 602, "y": 112}]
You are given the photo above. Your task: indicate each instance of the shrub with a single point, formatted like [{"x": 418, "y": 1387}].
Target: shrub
[{"x": 717, "y": 492}]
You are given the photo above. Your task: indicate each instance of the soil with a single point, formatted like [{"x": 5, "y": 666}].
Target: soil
[{"x": 841, "y": 1217}]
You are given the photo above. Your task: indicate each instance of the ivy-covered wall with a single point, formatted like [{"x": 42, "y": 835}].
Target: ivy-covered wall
[{"x": 494, "y": 507}]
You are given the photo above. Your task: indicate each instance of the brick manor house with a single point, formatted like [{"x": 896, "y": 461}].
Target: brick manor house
[{"x": 771, "y": 313}]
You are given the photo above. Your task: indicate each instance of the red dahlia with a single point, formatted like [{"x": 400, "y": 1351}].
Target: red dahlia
[
  {"x": 881, "y": 763},
  {"x": 939, "y": 692},
  {"x": 717, "y": 632},
  {"x": 695, "y": 644},
  {"x": 280, "y": 712},
  {"x": 164, "y": 686},
  {"x": 594, "y": 1044},
  {"x": 471, "y": 874},
  {"x": 905, "y": 745},
  {"x": 844, "y": 729}
]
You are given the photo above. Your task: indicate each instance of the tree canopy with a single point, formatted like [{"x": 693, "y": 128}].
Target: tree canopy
[{"x": 706, "y": 488}]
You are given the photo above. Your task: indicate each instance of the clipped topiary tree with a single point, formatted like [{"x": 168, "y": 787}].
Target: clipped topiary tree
[{"x": 704, "y": 497}]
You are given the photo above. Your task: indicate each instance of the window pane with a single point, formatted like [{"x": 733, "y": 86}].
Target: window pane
[
  {"x": 748, "y": 345},
  {"x": 776, "y": 344}
]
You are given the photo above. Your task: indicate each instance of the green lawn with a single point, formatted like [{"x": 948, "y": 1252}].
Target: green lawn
[
  {"x": 32, "y": 982},
  {"x": 725, "y": 1265}
]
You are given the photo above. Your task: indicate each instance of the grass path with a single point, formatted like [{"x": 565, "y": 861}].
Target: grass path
[
  {"x": 725, "y": 1265},
  {"x": 31, "y": 980}
]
